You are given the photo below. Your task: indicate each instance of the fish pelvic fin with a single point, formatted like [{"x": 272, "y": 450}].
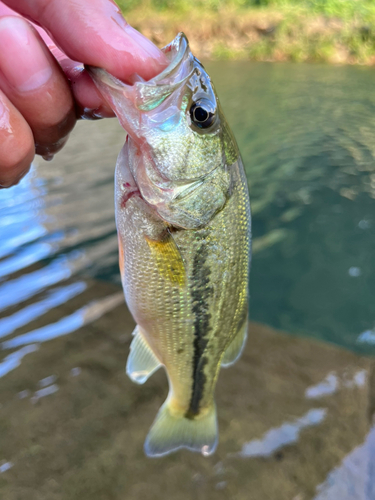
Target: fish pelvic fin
[
  {"x": 235, "y": 348},
  {"x": 142, "y": 362},
  {"x": 171, "y": 432}
]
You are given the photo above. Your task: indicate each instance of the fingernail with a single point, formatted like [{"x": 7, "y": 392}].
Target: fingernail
[
  {"x": 146, "y": 44},
  {"x": 135, "y": 36},
  {"x": 95, "y": 113},
  {"x": 116, "y": 15},
  {"x": 23, "y": 61}
]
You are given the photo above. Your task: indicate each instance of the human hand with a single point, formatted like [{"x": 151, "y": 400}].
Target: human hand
[{"x": 43, "y": 89}]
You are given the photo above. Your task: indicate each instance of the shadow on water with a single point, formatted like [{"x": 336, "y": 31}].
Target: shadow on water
[{"x": 295, "y": 414}]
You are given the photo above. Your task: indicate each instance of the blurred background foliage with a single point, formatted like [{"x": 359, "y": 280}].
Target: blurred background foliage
[{"x": 334, "y": 31}]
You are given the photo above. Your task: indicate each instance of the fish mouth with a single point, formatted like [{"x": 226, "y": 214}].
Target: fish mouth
[
  {"x": 148, "y": 94},
  {"x": 176, "y": 52}
]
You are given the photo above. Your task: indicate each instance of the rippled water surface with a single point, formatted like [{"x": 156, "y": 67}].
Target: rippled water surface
[{"x": 294, "y": 414}]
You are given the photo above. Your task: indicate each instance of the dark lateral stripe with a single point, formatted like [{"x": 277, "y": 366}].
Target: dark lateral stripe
[{"x": 200, "y": 293}]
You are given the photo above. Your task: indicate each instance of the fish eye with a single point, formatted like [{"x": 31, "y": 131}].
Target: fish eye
[{"x": 201, "y": 115}]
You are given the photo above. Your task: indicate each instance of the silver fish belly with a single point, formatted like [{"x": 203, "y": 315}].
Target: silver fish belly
[{"x": 183, "y": 220}]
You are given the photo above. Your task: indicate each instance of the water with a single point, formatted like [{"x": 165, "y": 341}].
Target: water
[
  {"x": 294, "y": 414},
  {"x": 308, "y": 141}
]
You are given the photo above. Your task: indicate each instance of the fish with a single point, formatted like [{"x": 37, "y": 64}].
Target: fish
[{"x": 184, "y": 230}]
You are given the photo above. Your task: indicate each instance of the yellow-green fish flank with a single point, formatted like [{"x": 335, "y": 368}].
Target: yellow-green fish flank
[{"x": 183, "y": 220}]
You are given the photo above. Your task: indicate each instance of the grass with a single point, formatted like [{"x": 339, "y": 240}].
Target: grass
[{"x": 334, "y": 31}]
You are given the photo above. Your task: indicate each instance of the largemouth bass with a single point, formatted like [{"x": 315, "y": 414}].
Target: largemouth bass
[{"x": 183, "y": 220}]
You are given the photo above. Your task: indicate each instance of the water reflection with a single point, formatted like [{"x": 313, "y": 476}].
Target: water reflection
[
  {"x": 42, "y": 393},
  {"x": 54, "y": 298},
  {"x": 287, "y": 434},
  {"x": 6, "y": 466},
  {"x": 51, "y": 379},
  {"x": 332, "y": 383},
  {"x": 328, "y": 386},
  {"x": 354, "y": 478},
  {"x": 68, "y": 324},
  {"x": 367, "y": 337},
  {"x": 12, "y": 361},
  {"x": 9, "y": 243},
  {"x": 19, "y": 289}
]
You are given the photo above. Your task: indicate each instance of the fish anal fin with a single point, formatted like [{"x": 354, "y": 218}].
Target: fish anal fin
[
  {"x": 235, "y": 348},
  {"x": 171, "y": 432},
  {"x": 168, "y": 259},
  {"x": 142, "y": 362}
]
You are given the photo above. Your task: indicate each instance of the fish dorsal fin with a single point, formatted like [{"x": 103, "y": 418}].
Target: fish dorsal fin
[
  {"x": 142, "y": 362},
  {"x": 235, "y": 348}
]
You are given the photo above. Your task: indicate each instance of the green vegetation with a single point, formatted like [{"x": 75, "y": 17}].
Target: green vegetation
[{"x": 336, "y": 31}]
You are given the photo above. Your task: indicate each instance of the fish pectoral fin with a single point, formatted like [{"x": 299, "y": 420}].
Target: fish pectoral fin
[
  {"x": 235, "y": 348},
  {"x": 170, "y": 433},
  {"x": 142, "y": 362},
  {"x": 168, "y": 259}
]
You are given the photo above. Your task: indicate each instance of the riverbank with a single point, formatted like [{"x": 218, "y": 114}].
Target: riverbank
[{"x": 338, "y": 32}]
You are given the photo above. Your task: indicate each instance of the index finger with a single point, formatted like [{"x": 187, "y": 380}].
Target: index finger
[{"x": 95, "y": 33}]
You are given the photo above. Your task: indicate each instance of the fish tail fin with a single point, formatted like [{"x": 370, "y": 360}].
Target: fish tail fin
[{"x": 171, "y": 432}]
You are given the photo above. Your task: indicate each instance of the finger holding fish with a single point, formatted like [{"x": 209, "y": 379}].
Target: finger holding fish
[
  {"x": 35, "y": 85},
  {"x": 16, "y": 144}
]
